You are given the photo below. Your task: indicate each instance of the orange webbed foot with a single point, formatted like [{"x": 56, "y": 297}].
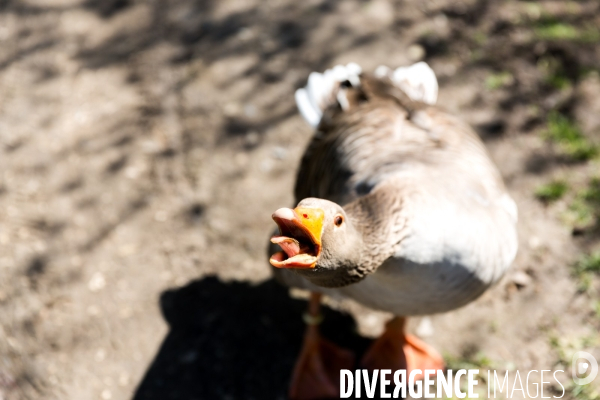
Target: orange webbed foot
[
  {"x": 397, "y": 350},
  {"x": 316, "y": 374}
]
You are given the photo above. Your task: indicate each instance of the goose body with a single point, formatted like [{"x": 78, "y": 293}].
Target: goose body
[
  {"x": 442, "y": 227},
  {"x": 399, "y": 208}
]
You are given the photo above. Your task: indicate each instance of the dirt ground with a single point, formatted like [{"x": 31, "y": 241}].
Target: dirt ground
[{"x": 144, "y": 145}]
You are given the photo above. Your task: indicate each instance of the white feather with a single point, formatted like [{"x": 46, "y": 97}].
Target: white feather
[
  {"x": 418, "y": 81},
  {"x": 306, "y": 108},
  {"x": 322, "y": 90},
  {"x": 343, "y": 100},
  {"x": 315, "y": 89}
]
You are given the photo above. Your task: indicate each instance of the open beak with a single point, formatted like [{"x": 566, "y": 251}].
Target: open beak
[{"x": 299, "y": 237}]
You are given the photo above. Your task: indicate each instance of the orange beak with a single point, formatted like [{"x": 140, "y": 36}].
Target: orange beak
[{"x": 299, "y": 237}]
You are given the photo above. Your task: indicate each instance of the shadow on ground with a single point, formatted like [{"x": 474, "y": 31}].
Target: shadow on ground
[{"x": 233, "y": 340}]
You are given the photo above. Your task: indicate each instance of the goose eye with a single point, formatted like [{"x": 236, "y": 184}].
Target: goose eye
[{"x": 338, "y": 220}]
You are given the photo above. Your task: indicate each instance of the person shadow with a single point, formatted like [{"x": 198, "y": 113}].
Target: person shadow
[{"x": 234, "y": 340}]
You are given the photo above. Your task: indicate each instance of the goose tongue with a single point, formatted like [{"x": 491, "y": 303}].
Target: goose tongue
[
  {"x": 290, "y": 245},
  {"x": 294, "y": 254}
]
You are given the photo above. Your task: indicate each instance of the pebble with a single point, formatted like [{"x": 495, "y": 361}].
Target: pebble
[
  {"x": 415, "y": 52},
  {"x": 252, "y": 138},
  {"x": 100, "y": 355},
  {"x": 521, "y": 279},
  {"x": 381, "y": 11},
  {"x": 245, "y": 34},
  {"x": 534, "y": 242},
  {"x": 250, "y": 110},
  {"x": 266, "y": 166},
  {"x": 425, "y": 328},
  {"x": 231, "y": 109},
  {"x": 127, "y": 250},
  {"x": 279, "y": 153},
  {"x": 97, "y": 282},
  {"x": 124, "y": 379},
  {"x": 133, "y": 172},
  {"x": 371, "y": 322},
  {"x": 441, "y": 21}
]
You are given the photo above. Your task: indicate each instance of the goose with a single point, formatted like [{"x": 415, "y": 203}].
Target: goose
[{"x": 399, "y": 207}]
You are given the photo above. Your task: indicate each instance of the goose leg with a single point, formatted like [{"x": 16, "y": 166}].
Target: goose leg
[
  {"x": 316, "y": 373},
  {"x": 397, "y": 350}
]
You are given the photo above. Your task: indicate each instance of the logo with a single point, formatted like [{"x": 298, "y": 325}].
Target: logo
[{"x": 579, "y": 368}]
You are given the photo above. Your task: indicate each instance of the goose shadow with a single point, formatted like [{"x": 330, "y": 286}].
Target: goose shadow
[{"x": 230, "y": 340}]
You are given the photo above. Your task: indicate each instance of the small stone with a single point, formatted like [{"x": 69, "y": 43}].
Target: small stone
[
  {"x": 231, "y": 109},
  {"x": 415, "y": 52},
  {"x": 534, "y": 242},
  {"x": 40, "y": 246},
  {"x": 97, "y": 282},
  {"x": 245, "y": 34},
  {"x": 133, "y": 172},
  {"x": 425, "y": 328},
  {"x": 266, "y": 166},
  {"x": 100, "y": 355},
  {"x": 127, "y": 250},
  {"x": 279, "y": 153},
  {"x": 381, "y": 11},
  {"x": 371, "y": 321},
  {"x": 252, "y": 138},
  {"x": 123, "y": 379},
  {"x": 521, "y": 279},
  {"x": 441, "y": 21},
  {"x": 106, "y": 394},
  {"x": 250, "y": 110}
]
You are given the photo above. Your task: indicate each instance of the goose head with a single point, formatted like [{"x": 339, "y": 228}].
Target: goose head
[{"x": 319, "y": 241}]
